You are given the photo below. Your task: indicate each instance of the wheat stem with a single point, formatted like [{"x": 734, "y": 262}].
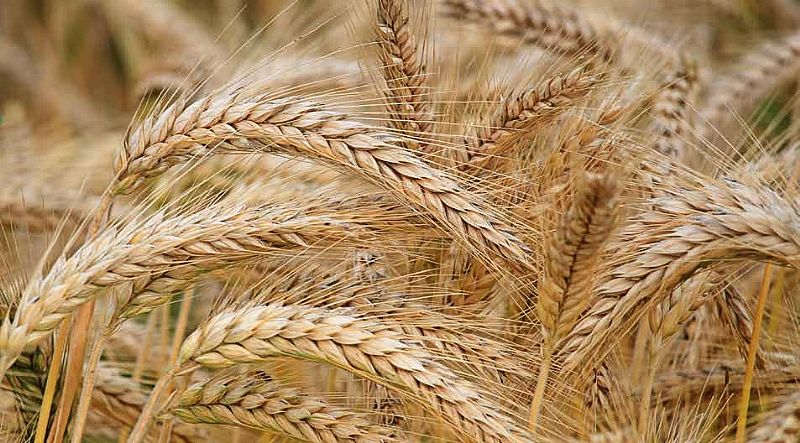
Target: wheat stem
[
  {"x": 52, "y": 374},
  {"x": 541, "y": 385},
  {"x": 744, "y": 403}
]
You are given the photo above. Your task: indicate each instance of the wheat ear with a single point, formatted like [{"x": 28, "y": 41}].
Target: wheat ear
[
  {"x": 35, "y": 217},
  {"x": 671, "y": 112},
  {"x": 120, "y": 400},
  {"x": 542, "y": 25},
  {"x": 688, "y": 230},
  {"x": 735, "y": 314},
  {"x": 522, "y": 110},
  {"x": 163, "y": 22},
  {"x": 156, "y": 255},
  {"x": 718, "y": 378},
  {"x": 665, "y": 320},
  {"x": 403, "y": 68},
  {"x": 27, "y": 379},
  {"x": 236, "y": 122},
  {"x": 572, "y": 258},
  {"x": 443, "y": 334},
  {"x": 760, "y": 71},
  {"x": 361, "y": 346},
  {"x": 252, "y": 399}
]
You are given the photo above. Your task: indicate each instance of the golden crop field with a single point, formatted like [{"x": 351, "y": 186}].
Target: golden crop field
[{"x": 374, "y": 221}]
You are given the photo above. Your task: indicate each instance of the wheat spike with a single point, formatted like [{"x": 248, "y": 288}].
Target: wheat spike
[
  {"x": 120, "y": 400},
  {"x": 239, "y": 123},
  {"x": 361, "y": 346},
  {"x": 759, "y": 71},
  {"x": 158, "y": 255},
  {"x": 781, "y": 424},
  {"x": 671, "y": 109},
  {"x": 737, "y": 318},
  {"x": 714, "y": 220},
  {"x": 573, "y": 254},
  {"x": 252, "y": 399},
  {"x": 523, "y": 110},
  {"x": 536, "y": 23},
  {"x": 666, "y": 319},
  {"x": 403, "y": 68}
]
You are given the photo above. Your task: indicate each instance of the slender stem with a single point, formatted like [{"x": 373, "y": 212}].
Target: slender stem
[
  {"x": 141, "y": 359},
  {"x": 144, "y": 351},
  {"x": 331, "y": 384},
  {"x": 166, "y": 340},
  {"x": 142, "y": 426},
  {"x": 166, "y": 428},
  {"x": 541, "y": 384},
  {"x": 640, "y": 349},
  {"x": 177, "y": 339},
  {"x": 180, "y": 326},
  {"x": 741, "y": 424},
  {"x": 774, "y": 302},
  {"x": 166, "y": 432},
  {"x": 647, "y": 389},
  {"x": 85, "y": 399},
  {"x": 72, "y": 376},
  {"x": 78, "y": 337},
  {"x": 52, "y": 376}
]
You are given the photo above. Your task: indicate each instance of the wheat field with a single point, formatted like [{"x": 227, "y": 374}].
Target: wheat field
[{"x": 373, "y": 221}]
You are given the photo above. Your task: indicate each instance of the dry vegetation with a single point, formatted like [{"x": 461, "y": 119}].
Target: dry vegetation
[{"x": 399, "y": 220}]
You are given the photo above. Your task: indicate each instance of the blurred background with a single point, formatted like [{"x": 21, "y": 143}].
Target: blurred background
[{"x": 77, "y": 64}]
